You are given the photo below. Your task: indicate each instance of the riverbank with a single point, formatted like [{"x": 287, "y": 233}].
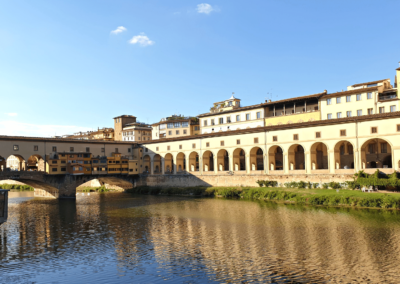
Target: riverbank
[{"x": 325, "y": 197}]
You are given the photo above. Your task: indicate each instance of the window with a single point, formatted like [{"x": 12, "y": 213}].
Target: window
[
  {"x": 116, "y": 150},
  {"x": 53, "y": 169},
  {"x": 275, "y": 138},
  {"x": 146, "y": 150},
  {"x": 398, "y": 127},
  {"x": 170, "y": 132},
  {"x": 358, "y": 96},
  {"x": 208, "y": 144},
  {"x": 170, "y": 125},
  {"x": 221, "y": 120},
  {"x": 248, "y": 116},
  {"x": 370, "y": 111},
  {"x": 103, "y": 150},
  {"x": 185, "y": 131},
  {"x": 222, "y": 143},
  {"x": 295, "y": 136},
  {"x": 238, "y": 118},
  {"x": 212, "y": 122},
  {"x": 374, "y": 130},
  {"x": 372, "y": 85},
  {"x": 317, "y": 134},
  {"x": 384, "y": 148},
  {"x": 343, "y": 132},
  {"x": 338, "y": 100},
  {"x": 382, "y": 110},
  {"x": 177, "y": 132},
  {"x": 185, "y": 124},
  {"x": 348, "y": 99},
  {"x": 168, "y": 148},
  {"x": 392, "y": 108},
  {"x": 369, "y": 96},
  {"x": 205, "y": 122},
  {"x": 156, "y": 148},
  {"x": 177, "y": 124},
  {"x": 54, "y": 162},
  {"x": 193, "y": 145},
  {"x": 54, "y": 149},
  {"x": 129, "y": 150},
  {"x": 328, "y": 101},
  {"x": 255, "y": 140},
  {"x": 238, "y": 142},
  {"x": 348, "y": 114},
  {"x": 228, "y": 119},
  {"x": 71, "y": 149},
  {"x": 87, "y": 150},
  {"x": 258, "y": 115},
  {"x": 35, "y": 148},
  {"x": 63, "y": 169},
  {"x": 359, "y": 112},
  {"x": 339, "y": 115},
  {"x": 329, "y": 116}
]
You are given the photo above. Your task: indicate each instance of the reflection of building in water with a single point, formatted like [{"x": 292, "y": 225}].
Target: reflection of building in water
[{"x": 237, "y": 242}]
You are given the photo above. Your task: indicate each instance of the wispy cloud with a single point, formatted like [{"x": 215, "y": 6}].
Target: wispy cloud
[
  {"x": 119, "y": 30},
  {"x": 10, "y": 127},
  {"x": 12, "y": 113},
  {"x": 142, "y": 40},
  {"x": 204, "y": 8}
]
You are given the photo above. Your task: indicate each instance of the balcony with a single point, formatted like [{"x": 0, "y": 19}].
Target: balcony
[{"x": 387, "y": 97}]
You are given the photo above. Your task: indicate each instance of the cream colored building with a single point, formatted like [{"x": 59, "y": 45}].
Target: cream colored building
[
  {"x": 228, "y": 115},
  {"x": 176, "y": 126},
  {"x": 126, "y": 128}
]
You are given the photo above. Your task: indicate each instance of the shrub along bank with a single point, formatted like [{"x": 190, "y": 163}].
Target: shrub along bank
[
  {"x": 326, "y": 197},
  {"x": 17, "y": 187}
]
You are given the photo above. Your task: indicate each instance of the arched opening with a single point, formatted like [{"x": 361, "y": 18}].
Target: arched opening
[
  {"x": 180, "y": 163},
  {"x": 194, "y": 162},
  {"x": 35, "y": 163},
  {"x": 3, "y": 164},
  {"x": 344, "y": 155},
  {"x": 376, "y": 153},
  {"x": 157, "y": 164},
  {"x": 256, "y": 159},
  {"x": 146, "y": 164},
  {"x": 16, "y": 163},
  {"x": 275, "y": 155},
  {"x": 239, "y": 160},
  {"x": 169, "y": 164},
  {"x": 319, "y": 156},
  {"x": 208, "y": 161},
  {"x": 41, "y": 189},
  {"x": 223, "y": 160},
  {"x": 296, "y": 157}
]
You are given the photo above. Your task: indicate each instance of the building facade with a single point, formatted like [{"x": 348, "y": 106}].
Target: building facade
[{"x": 176, "y": 126}]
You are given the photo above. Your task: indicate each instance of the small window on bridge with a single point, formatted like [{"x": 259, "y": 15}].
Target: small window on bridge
[
  {"x": 53, "y": 169},
  {"x": 71, "y": 149},
  {"x": 102, "y": 150},
  {"x": 16, "y": 147},
  {"x": 63, "y": 169},
  {"x": 35, "y": 148},
  {"x": 116, "y": 150},
  {"x": 54, "y": 149},
  {"x": 129, "y": 150},
  {"x": 87, "y": 150}
]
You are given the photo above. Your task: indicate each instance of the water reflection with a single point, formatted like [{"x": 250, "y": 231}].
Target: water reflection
[{"x": 106, "y": 238}]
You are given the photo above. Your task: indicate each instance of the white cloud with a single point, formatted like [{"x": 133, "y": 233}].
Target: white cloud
[
  {"x": 142, "y": 40},
  {"x": 205, "y": 8},
  {"x": 12, "y": 114},
  {"x": 15, "y": 128},
  {"x": 120, "y": 29}
]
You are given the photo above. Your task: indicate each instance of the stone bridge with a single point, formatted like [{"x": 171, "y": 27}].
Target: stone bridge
[{"x": 59, "y": 186}]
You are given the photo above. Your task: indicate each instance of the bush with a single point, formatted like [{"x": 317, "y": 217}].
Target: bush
[
  {"x": 22, "y": 187},
  {"x": 260, "y": 182}
]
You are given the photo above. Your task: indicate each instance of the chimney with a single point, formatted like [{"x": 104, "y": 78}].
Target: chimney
[{"x": 269, "y": 101}]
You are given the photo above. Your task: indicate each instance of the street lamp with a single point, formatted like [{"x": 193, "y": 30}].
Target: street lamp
[{"x": 3, "y": 205}]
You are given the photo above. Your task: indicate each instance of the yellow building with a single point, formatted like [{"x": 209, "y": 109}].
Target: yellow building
[{"x": 176, "y": 126}]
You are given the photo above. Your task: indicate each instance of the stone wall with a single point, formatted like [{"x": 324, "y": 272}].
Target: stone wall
[{"x": 235, "y": 180}]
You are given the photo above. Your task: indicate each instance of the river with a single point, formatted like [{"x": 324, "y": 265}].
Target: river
[{"x": 124, "y": 238}]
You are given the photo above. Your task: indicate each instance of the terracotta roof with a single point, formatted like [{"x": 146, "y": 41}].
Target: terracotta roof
[
  {"x": 172, "y": 121},
  {"x": 315, "y": 96},
  {"x": 369, "y": 83},
  {"x": 398, "y": 69},
  {"x": 62, "y": 140},
  {"x": 357, "y": 91},
  {"x": 124, "y": 115},
  {"x": 283, "y": 127}
]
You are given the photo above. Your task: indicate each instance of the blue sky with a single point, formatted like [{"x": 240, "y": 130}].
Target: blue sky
[{"x": 62, "y": 69}]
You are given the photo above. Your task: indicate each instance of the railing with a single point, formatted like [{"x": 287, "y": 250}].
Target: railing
[{"x": 387, "y": 97}]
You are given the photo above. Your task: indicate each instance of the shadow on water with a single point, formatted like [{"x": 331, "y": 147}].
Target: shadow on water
[{"x": 119, "y": 237}]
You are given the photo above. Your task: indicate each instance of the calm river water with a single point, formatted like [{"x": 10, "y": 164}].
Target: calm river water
[{"x": 123, "y": 238}]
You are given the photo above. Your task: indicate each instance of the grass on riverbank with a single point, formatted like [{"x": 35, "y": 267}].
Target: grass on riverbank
[
  {"x": 94, "y": 189},
  {"x": 327, "y": 197},
  {"x": 16, "y": 187}
]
